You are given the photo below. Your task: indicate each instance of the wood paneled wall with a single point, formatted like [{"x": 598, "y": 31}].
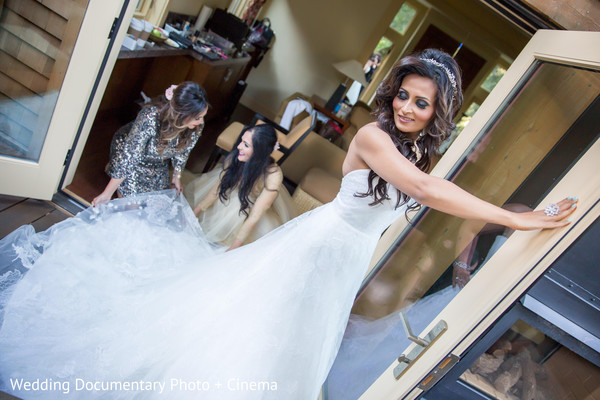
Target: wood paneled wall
[
  {"x": 36, "y": 41},
  {"x": 574, "y": 15}
]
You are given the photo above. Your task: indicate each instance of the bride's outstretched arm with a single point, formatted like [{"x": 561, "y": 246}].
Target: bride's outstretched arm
[{"x": 374, "y": 148}]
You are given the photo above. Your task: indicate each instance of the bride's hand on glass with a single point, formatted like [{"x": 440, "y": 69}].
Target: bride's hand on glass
[{"x": 553, "y": 216}]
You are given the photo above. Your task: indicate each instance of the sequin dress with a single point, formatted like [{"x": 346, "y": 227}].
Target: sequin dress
[{"x": 135, "y": 156}]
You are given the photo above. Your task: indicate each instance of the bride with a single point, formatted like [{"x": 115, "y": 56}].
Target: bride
[{"x": 128, "y": 300}]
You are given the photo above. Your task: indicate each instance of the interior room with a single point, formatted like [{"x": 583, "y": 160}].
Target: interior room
[
  {"x": 313, "y": 68},
  {"x": 309, "y": 38}
]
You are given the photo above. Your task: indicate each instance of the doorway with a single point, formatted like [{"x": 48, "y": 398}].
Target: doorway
[{"x": 469, "y": 61}]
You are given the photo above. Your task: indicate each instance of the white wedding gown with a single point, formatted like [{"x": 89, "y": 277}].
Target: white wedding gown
[{"x": 132, "y": 297}]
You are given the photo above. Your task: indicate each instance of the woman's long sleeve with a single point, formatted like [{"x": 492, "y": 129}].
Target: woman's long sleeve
[
  {"x": 180, "y": 158},
  {"x": 135, "y": 140}
]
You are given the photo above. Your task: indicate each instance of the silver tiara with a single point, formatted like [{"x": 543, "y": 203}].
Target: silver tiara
[{"x": 451, "y": 76}]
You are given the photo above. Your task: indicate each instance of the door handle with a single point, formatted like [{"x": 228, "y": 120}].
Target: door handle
[{"x": 422, "y": 344}]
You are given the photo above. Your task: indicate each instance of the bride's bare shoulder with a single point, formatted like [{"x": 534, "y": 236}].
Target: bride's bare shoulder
[
  {"x": 371, "y": 135},
  {"x": 367, "y": 144}
]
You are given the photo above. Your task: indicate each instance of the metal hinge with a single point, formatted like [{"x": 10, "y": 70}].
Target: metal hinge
[
  {"x": 67, "y": 157},
  {"x": 438, "y": 372},
  {"x": 113, "y": 28}
]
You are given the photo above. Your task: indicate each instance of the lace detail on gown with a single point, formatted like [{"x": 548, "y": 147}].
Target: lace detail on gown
[{"x": 138, "y": 294}]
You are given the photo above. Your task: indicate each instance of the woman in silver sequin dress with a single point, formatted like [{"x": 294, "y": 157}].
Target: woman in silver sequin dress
[{"x": 167, "y": 128}]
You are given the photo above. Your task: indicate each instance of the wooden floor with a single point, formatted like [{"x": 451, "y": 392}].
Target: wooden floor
[{"x": 17, "y": 211}]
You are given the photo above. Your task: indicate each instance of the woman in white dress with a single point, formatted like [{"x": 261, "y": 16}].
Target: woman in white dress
[
  {"x": 148, "y": 312},
  {"x": 246, "y": 199}
]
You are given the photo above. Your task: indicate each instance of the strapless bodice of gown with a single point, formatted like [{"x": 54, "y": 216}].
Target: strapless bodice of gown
[{"x": 356, "y": 211}]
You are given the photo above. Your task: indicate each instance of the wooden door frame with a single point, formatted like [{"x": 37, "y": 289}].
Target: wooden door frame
[{"x": 40, "y": 179}]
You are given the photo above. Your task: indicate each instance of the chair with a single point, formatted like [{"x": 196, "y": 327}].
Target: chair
[
  {"x": 283, "y": 106},
  {"x": 317, "y": 165},
  {"x": 316, "y": 188},
  {"x": 288, "y": 140}
]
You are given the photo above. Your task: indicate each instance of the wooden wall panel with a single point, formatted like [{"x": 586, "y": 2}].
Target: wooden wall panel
[
  {"x": 36, "y": 42},
  {"x": 575, "y": 15},
  {"x": 21, "y": 73},
  {"x": 56, "y": 26},
  {"x": 20, "y": 94},
  {"x": 76, "y": 12},
  {"x": 26, "y": 54},
  {"x": 29, "y": 33},
  {"x": 60, "y": 7},
  {"x": 39, "y": 15}
]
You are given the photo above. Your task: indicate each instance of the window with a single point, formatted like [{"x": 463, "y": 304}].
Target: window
[
  {"x": 384, "y": 46},
  {"x": 142, "y": 8},
  {"x": 493, "y": 78},
  {"x": 460, "y": 125},
  {"x": 403, "y": 19}
]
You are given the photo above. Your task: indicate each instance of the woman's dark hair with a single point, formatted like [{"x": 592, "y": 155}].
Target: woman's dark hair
[
  {"x": 189, "y": 100},
  {"x": 441, "y": 68},
  {"x": 243, "y": 175}
]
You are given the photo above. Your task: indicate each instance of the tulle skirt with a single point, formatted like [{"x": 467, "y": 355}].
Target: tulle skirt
[{"x": 133, "y": 302}]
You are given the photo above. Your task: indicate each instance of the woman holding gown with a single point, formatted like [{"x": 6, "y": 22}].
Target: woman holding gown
[
  {"x": 246, "y": 199},
  {"x": 166, "y": 128},
  {"x": 263, "y": 321}
]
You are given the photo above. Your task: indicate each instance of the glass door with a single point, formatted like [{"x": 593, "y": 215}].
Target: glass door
[
  {"x": 547, "y": 346},
  {"x": 444, "y": 280},
  {"x": 50, "y": 55}
]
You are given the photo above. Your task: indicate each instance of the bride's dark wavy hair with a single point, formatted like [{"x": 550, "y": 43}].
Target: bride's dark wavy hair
[
  {"x": 189, "y": 100},
  {"x": 448, "y": 101},
  {"x": 243, "y": 175}
]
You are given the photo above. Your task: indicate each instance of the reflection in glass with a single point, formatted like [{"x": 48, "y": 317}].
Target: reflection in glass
[
  {"x": 533, "y": 139},
  {"x": 526, "y": 364},
  {"x": 36, "y": 42}
]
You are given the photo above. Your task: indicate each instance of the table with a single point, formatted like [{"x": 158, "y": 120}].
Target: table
[{"x": 341, "y": 122}]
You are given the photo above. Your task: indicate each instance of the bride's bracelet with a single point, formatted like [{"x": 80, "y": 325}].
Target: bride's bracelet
[{"x": 461, "y": 264}]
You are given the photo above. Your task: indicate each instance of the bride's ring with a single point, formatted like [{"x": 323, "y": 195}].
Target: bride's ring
[{"x": 551, "y": 209}]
